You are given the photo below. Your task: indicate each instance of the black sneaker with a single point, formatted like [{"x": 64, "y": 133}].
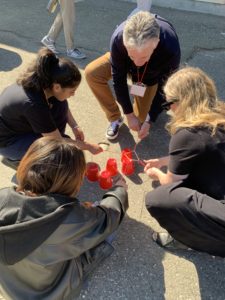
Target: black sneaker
[
  {"x": 165, "y": 240},
  {"x": 10, "y": 163},
  {"x": 113, "y": 129}
]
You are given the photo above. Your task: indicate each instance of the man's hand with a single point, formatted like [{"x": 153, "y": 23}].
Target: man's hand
[
  {"x": 144, "y": 131},
  {"x": 133, "y": 122}
]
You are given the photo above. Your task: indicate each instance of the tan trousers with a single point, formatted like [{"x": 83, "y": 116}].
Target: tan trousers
[
  {"x": 65, "y": 19},
  {"x": 97, "y": 74}
]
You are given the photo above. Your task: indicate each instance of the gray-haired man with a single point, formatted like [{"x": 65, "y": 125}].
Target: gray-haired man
[{"x": 146, "y": 49}]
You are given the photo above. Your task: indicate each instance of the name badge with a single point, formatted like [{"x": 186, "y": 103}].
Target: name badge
[{"x": 138, "y": 89}]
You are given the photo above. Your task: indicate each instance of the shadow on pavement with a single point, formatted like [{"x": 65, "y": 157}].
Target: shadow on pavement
[
  {"x": 136, "y": 259},
  {"x": 210, "y": 272},
  {"x": 13, "y": 60}
]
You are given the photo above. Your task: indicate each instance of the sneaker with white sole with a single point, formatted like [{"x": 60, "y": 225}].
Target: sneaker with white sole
[
  {"x": 113, "y": 129},
  {"x": 50, "y": 44},
  {"x": 76, "y": 53}
]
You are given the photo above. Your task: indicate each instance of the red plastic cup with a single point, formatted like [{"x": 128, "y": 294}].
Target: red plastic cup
[
  {"x": 127, "y": 166},
  {"x": 105, "y": 180},
  {"x": 92, "y": 171},
  {"x": 111, "y": 166},
  {"x": 126, "y": 154}
]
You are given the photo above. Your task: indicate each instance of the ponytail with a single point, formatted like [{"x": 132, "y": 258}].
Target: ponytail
[
  {"x": 46, "y": 63},
  {"x": 49, "y": 69}
]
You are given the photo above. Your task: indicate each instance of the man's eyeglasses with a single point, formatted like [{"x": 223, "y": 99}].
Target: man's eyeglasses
[{"x": 166, "y": 105}]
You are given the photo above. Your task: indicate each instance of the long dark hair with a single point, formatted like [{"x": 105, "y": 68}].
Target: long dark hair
[
  {"x": 48, "y": 69},
  {"x": 51, "y": 166}
]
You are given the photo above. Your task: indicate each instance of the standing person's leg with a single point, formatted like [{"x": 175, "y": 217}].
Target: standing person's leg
[
  {"x": 144, "y": 4},
  {"x": 50, "y": 38},
  {"x": 68, "y": 18},
  {"x": 190, "y": 217},
  {"x": 142, "y": 105},
  {"x": 97, "y": 74},
  {"x": 56, "y": 27}
]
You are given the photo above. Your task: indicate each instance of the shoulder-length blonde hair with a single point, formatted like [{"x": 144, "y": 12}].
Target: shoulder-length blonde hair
[
  {"x": 197, "y": 100},
  {"x": 51, "y": 166}
]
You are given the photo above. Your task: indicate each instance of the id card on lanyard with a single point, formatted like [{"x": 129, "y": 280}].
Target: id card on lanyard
[{"x": 139, "y": 88}]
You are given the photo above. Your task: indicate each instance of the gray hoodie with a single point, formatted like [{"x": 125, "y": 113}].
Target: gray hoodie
[{"x": 50, "y": 243}]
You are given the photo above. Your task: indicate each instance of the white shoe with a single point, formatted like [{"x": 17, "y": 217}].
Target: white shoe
[
  {"x": 49, "y": 44},
  {"x": 76, "y": 53}
]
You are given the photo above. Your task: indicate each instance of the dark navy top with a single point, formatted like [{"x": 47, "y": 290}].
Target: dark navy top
[{"x": 164, "y": 60}]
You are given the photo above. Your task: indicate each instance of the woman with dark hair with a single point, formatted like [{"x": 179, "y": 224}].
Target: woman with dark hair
[
  {"x": 36, "y": 106},
  {"x": 189, "y": 204},
  {"x": 51, "y": 242}
]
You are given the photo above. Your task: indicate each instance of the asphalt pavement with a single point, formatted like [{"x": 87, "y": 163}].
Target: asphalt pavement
[{"x": 138, "y": 268}]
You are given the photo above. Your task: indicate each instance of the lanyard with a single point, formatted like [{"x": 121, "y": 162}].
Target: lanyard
[{"x": 140, "y": 81}]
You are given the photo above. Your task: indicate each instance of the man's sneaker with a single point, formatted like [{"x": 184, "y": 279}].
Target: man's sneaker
[
  {"x": 50, "y": 44},
  {"x": 76, "y": 53},
  {"x": 113, "y": 129}
]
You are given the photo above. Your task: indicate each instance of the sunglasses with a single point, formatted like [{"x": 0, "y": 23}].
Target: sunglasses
[{"x": 166, "y": 105}]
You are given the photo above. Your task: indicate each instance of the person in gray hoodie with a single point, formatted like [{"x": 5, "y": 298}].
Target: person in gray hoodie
[{"x": 49, "y": 240}]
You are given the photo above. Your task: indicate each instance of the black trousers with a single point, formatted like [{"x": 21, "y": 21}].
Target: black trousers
[{"x": 192, "y": 218}]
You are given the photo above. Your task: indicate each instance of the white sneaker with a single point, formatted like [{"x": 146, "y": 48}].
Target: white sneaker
[
  {"x": 49, "y": 44},
  {"x": 76, "y": 53},
  {"x": 113, "y": 129}
]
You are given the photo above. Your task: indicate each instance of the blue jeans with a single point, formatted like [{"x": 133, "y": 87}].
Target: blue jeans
[{"x": 19, "y": 146}]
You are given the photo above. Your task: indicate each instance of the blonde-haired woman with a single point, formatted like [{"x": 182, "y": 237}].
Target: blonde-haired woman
[
  {"x": 50, "y": 242},
  {"x": 189, "y": 204}
]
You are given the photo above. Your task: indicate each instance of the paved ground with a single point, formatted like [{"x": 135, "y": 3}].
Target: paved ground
[{"x": 138, "y": 269}]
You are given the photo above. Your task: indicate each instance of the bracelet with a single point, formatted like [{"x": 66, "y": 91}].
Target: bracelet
[{"x": 75, "y": 126}]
